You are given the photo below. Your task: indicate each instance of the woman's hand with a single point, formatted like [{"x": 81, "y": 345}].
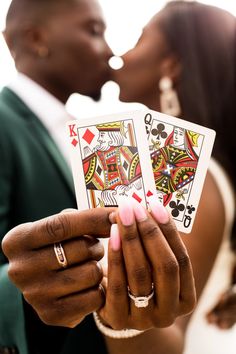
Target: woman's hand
[
  {"x": 223, "y": 315},
  {"x": 146, "y": 255}
]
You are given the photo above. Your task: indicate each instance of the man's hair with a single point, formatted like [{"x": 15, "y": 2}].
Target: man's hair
[
  {"x": 34, "y": 9},
  {"x": 36, "y": 12}
]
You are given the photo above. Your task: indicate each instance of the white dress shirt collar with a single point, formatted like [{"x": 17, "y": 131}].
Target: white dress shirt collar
[{"x": 44, "y": 105}]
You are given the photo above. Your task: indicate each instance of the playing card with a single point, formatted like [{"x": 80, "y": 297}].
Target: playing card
[
  {"x": 110, "y": 160},
  {"x": 180, "y": 153}
]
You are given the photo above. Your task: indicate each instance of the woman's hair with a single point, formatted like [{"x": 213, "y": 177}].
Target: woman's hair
[{"x": 203, "y": 38}]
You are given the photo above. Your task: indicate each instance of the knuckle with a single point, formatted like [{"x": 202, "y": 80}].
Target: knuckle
[
  {"x": 67, "y": 279},
  {"x": 171, "y": 229},
  {"x": 93, "y": 302},
  {"x": 117, "y": 289},
  {"x": 83, "y": 250},
  {"x": 130, "y": 235},
  {"x": 115, "y": 262},
  {"x": 49, "y": 317},
  {"x": 14, "y": 239},
  {"x": 140, "y": 274},
  {"x": 189, "y": 305},
  {"x": 151, "y": 231},
  {"x": 15, "y": 273},
  {"x": 184, "y": 261},
  {"x": 73, "y": 324},
  {"x": 31, "y": 296},
  {"x": 94, "y": 251},
  {"x": 58, "y": 226},
  {"x": 98, "y": 299},
  {"x": 166, "y": 321},
  {"x": 95, "y": 273},
  {"x": 6, "y": 245},
  {"x": 99, "y": 217},
  {"x": 55, "y": 314},
  {"x": 37, "y": 296},
  {"x": 170, "y": 267}
]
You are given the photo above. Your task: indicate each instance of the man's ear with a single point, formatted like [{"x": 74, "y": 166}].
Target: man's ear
[
  {"x": 170, "y": 67},
  {"x": 9, "y": 43},
  {"x": 7, "y": 40},
  {"x": 33, "y": 39}
]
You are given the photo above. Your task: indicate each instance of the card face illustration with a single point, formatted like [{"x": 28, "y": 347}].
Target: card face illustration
[
  {"x": 110, "y": 160},
  {"x": 139, "y": 154},
  {"x": 180, "y": 152}
]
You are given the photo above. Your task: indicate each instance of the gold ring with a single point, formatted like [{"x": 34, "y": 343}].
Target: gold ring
[{"x": 60, "y": 254}]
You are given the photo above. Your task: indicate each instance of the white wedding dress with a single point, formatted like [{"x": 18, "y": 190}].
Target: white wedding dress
[{"x": 203, "y": 338}]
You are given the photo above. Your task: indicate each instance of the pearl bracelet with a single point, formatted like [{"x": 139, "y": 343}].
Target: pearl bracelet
[{"x": 112, "y": 333}]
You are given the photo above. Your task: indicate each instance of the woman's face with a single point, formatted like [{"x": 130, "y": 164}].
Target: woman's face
[
  {"x": 138, "y": 78},
  {"x": 178, "y": 137}
]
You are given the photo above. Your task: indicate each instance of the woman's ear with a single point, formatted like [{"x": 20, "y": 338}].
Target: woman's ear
[
  {"x": 169, "y": 101},
  {"x": 170, "y": 67}
]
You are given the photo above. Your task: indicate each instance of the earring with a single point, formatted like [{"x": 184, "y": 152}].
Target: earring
[
  {"x": 42, "y": 52},
  {"x": 168, "y": 98}
]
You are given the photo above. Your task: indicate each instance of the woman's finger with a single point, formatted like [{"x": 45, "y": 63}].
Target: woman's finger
[
  {"x": 136, "y": 263},
  {"x": 164, "y": 267},
  {"x": 187, "y": 295},
  {"x": 116, "y": 309}
]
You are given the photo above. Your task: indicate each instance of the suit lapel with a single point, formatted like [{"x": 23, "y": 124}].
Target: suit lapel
[
  {"x": 40, "y": 132},
  {"x": 51, "y": 148}
]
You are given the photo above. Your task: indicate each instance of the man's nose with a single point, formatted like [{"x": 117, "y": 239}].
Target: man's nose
[{"x": 108, "y": 51}]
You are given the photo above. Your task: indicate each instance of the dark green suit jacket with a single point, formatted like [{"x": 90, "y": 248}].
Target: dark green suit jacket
[{"x": 34, "y": 182}]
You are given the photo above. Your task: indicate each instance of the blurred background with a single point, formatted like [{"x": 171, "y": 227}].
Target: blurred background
[{"x": 125, "y": 20}]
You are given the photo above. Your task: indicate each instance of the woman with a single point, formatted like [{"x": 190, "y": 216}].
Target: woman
[{"x": 184, "y": 65}]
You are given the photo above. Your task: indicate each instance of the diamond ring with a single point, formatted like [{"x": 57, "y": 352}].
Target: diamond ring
[{"x": 141, "y": 301}]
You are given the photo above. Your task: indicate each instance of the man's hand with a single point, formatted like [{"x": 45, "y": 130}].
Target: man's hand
[{"x": 60, "y": 296}]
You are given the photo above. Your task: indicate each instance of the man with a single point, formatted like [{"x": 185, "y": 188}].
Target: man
[
  {"x": 112, "y": 168},
  {"x": 59, "y": 48}
]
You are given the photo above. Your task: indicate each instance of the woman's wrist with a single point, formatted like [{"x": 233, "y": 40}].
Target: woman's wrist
[{"x": 112, "y": 333}]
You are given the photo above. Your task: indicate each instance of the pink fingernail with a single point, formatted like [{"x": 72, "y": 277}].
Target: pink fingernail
[
  {"x": 115, "y": 241},
  {"x": 158, "y": 211},
  {"x": 139, "y": 212},
  {"x": 112, "y": 217},
  {"x": 126, "y": 212}
]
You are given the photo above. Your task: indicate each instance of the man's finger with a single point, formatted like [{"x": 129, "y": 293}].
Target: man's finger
[{"x": 58, "y": 228}]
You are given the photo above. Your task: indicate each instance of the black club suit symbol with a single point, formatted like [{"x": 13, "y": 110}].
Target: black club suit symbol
[
  {"x": 177, "y": 208},
  {"x": 191, "y": 209},
  {"x": 159, "y": 131}
]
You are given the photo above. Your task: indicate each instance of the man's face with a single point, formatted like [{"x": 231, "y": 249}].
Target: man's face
[
  {"x": 104, "y": 140},
  {"x": 78, "y": 53}
]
